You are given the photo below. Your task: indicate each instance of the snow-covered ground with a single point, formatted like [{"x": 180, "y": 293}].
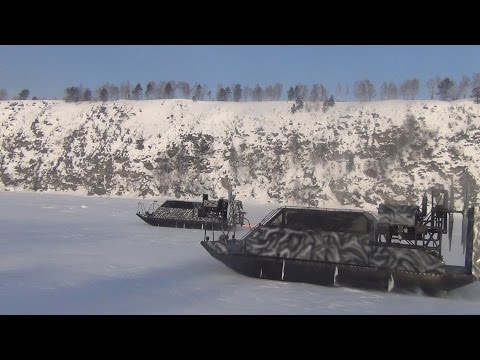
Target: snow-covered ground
[{"x": 67, "y": 254}]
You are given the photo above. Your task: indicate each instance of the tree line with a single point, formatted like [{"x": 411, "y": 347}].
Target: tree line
[
  {"x": 173, "y": 90},
  {"x": 363, "y": 90},
  {"x": 22, "y": 95}
]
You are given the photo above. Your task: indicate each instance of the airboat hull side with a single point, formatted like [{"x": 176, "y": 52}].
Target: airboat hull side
[
  {"x": 183, "y": 223},
  {"x": 332, "y": 274}
]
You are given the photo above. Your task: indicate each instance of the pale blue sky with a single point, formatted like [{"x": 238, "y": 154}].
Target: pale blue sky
[{"x": 46, "y": 70}]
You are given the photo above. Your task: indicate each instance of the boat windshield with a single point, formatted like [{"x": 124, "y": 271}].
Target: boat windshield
[{"x": 318, "y": 220}]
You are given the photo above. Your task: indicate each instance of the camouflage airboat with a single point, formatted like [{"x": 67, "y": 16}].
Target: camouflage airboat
[
  {"x": 221, "y": 214},
  {"x": 397, "y": 249}
]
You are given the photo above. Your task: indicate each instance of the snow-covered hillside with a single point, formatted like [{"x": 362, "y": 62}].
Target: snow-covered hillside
[{"x": 354, "y": 154}]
